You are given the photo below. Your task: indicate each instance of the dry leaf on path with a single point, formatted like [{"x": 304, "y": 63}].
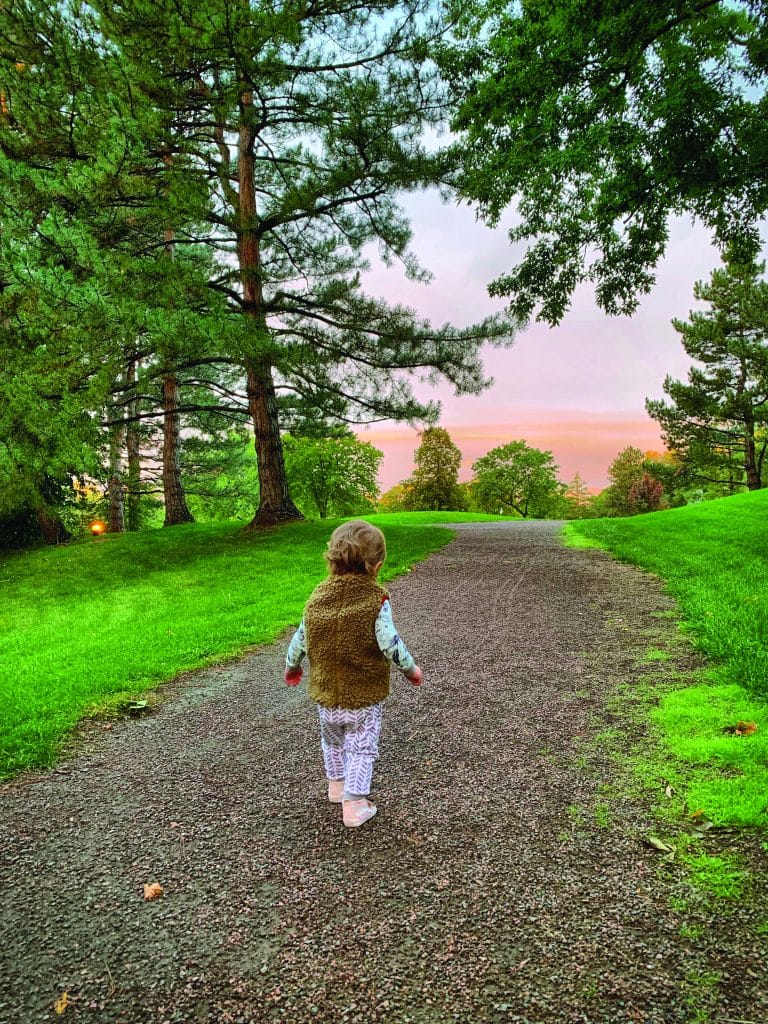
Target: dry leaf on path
[
  {"x": 61, "y": 1004},
  {"x": 153, "y": 891}
]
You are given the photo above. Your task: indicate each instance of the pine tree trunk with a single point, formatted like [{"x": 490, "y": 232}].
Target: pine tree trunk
[
  {"x": 275, "y": 505},
  {"x": 48, "y": 519},
  {"x": 132, "y": 448},
  {"x": 754, "y": 482},
  {"x": 52, "y": 528},
  {"x": 115, "y": 488},
  {"x": 176, "y": 510}
]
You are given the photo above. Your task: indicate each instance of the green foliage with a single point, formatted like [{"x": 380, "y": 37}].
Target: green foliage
[
  {"x": 128, "y": 256},
  {"x": 398, "y": 498},
  {"x": 633, "y": 488},
  {"x": 717, "y": 423},
  {"x": 625, "y": 473},
  {"x": 600, "y": 122},
  {"x": 516, "y": 477},
  {"x": 332, "y": 476},
  {"x": 87, "y": 288},
  {"x": 714, "y": 559},
  {"x": 220, "y": 476},
  {"x": 19, "y": 529},
  {"x": 434, "y": 485}
]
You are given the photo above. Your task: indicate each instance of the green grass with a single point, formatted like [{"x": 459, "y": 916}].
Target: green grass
[
  {"x": 718, "y": 876},
  {"x": 94, "y": 624},
  {"x": 729, "y": 780},
  {"x": 714, "y": 559}
]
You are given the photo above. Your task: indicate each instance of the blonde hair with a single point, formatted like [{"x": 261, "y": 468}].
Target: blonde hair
[{"x": 356, "y": 547}]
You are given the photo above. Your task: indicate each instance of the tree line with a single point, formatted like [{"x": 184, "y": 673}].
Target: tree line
[{"x": 190, "y": 192}]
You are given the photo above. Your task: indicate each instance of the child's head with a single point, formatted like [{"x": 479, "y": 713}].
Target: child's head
[{"x": 356, "y": 547}]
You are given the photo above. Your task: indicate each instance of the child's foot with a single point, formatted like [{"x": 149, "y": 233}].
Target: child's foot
[
  {"x": 335, "y": 790},
  {"x": 357, "y": 812}
]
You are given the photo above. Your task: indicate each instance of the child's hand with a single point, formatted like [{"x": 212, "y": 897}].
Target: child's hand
[
  {"x": 293, "y": 676},
  {"x": 415, "y": 676}
]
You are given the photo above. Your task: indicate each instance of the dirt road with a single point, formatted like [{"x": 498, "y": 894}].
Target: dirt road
[{"x": 498, "y": 882}]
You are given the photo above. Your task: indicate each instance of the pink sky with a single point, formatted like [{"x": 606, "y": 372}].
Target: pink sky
[{"x": 577, "y": 390}]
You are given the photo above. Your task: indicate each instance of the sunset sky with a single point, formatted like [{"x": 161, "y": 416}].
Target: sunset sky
[{"x": 577, "y": 390}]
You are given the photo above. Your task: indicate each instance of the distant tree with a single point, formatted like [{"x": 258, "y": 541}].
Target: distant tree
[
  {"x": 578, "y": 499},
  {"x": 434, "y": 484},
  {"x": 600, "y": 121},
  {"x": 332, "y": 476},
  {"x": 625, "y": 473},
  {"x": 517, "y": 477},
  {"x": 601, "y": 504},
  {"x": 671, "y": 472},
  {"x": 629, "y": 491},
  {"x": 722, "y": 412},
  {"x": 646, "y": 494},
  {"x": 398, "y": 498}
]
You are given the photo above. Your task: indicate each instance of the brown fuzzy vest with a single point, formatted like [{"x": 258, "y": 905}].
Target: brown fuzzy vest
[{"x": 346, "y": 667}]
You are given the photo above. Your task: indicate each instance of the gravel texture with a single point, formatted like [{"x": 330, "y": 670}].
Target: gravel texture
[{"x": 486, "y": 889}]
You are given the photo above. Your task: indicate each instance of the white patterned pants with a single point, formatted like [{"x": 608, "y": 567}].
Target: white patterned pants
[{"x": 350, "y": 742}]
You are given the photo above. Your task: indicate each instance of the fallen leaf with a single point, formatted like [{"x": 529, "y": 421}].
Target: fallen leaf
[
  {"x": 703, "y": 825},
  {"x": 61, "y": 1004},
  {"x": 659, "y": 844},
  {"x": 741, "y": 729},
  {"x": 153, "y": 891},
  {"x": 745, "y": 728}
]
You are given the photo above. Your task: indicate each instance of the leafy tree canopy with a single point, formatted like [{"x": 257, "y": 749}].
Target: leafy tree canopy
[
  {"x": 516, "y": 476},
  {"x": 434, "y": 484},
  {"x": 332, "y": 476},
  {"x": 601, "y": 119}
]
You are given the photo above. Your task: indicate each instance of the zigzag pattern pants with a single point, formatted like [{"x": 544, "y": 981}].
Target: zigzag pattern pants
[{"x": 350, "y": 742}]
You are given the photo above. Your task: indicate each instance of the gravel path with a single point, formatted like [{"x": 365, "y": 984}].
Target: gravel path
[{"x": 487, "y": 889}]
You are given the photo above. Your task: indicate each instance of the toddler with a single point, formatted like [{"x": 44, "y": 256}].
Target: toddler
[{"x": 348, "y": 633}]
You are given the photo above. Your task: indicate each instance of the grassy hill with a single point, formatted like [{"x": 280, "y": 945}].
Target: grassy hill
[
  {"x": 94, "y": 624},
  {"x": 714, "y": 559}
]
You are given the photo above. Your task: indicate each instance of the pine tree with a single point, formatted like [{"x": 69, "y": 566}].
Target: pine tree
[
  {"x": 722, "y": 410},
  {"x": 88, "y": 295},
  {"x": 305, "y": 123}
]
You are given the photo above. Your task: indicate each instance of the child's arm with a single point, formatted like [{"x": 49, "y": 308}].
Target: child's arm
[
  {"x": 392, "y": 646},
  {"x": 293, "y": 659}
]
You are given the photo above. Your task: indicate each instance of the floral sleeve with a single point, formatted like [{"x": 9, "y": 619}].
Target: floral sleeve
[
  {"x": 297, "y": 648},
  {"x": 389, "y": 641}
]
